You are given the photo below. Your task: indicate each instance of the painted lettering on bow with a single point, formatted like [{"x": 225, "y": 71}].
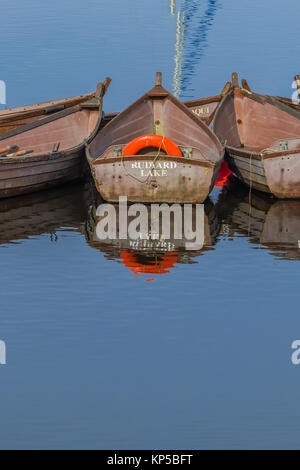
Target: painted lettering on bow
[
  {"x": 200, "y": 111},
  {"x": 153, "y": 168}
]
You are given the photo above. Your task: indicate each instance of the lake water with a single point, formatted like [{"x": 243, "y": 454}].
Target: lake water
[{"x": 116, "y": 349}]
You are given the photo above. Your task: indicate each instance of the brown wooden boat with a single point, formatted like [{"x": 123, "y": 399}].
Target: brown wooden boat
[
  {"x": 288, "y": 101},
  {"x": 177, "y": 161},
  {"x": 49, "y": 151},
  {"x": 262, "y": 139},
  {"x": 11, "y": 118}
]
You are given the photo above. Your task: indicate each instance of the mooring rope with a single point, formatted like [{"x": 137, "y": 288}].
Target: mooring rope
[
  {"x": 250, "y": 185},
  {"x": 250, "y": 194}
]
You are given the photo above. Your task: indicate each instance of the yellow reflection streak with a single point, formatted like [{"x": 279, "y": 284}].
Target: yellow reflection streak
[
  {"x": 179, "y": 51},
  {"x": 172, "y": 6}
]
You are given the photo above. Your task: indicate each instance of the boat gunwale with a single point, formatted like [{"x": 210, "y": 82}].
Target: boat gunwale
[
  {"x": 10, "y": 114},
  {"x": 40, "y": 122},
  {"x": 200, "y": 101},
  {"x": 261, "y": 155},
  {"x": 54, "y": 156},
  {"x": 188, "y": 161}
]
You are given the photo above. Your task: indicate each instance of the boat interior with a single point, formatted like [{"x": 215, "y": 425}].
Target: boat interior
[
  {"x": 21, "y": 115},
  {"x": 159, "y": 113},
  {"x": 63, "y": 130},
  {"x": 254, "y": 122}
]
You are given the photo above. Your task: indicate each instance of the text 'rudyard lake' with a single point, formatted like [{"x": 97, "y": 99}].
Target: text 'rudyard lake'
[{"x": 153, "y": 168}]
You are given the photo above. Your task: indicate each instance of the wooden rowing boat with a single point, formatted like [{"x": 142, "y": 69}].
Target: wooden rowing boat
[
  {"x": 287, "y": 101},
  {"x": 182, "y": 168},
  {"x": 262, "y": 139},
  {"x": 14, "y": 117},
  {"x": 49, "y": 151}
]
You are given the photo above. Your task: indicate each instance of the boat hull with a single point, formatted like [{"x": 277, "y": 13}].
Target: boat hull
[
  {"x": 261, "y": 137},
  {"x": 50, "y": 151},
  {"x": 154, "y": 174},
  {"x": 275, "y": 173},
  {"x": 169, "y": 179},
  {"x": 283, "y": 175},
  {"x": 247, "y": 168},
  {"x": 31, "y": 174}
]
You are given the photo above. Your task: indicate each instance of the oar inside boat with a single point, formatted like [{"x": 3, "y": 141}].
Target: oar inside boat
[
  {"x": 20, "y": 153},
  {"x": 9, "y": 148}
]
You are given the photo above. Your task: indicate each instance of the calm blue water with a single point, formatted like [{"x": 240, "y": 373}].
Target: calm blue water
[{"x": 97, "y": 357}]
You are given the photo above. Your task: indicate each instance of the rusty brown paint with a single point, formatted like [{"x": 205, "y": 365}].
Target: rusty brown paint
[
  {"x": 14, "y": 117},
  {"x": 235, "y": 80},
  {"x": 252, "y": 126},
  {"x": 188, "y": 183},
  {"x": 69, "y": 129},
  {"x": 190, "y": 180},
  {"x": 245, "y": 85}
]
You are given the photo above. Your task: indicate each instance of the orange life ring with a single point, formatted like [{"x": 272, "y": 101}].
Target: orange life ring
[{"x": 159, "y": 141}]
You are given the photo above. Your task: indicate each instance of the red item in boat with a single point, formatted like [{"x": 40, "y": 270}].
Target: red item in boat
[{"x": 223, "y": 174}]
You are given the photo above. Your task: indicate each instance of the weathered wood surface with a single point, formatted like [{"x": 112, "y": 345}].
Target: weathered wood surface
[
  {"x": 14, "y": 117},
  {"x": 261, "y": 135},
  {"x": 56, "y": 144},
  {"x": 187, "y": 179}
]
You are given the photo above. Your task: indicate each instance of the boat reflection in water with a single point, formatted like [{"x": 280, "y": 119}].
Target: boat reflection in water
[
  {"x": 40, "y": 213},
  {"x": 152, "y": 253},
  {"x": 269, "y": 222}
]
